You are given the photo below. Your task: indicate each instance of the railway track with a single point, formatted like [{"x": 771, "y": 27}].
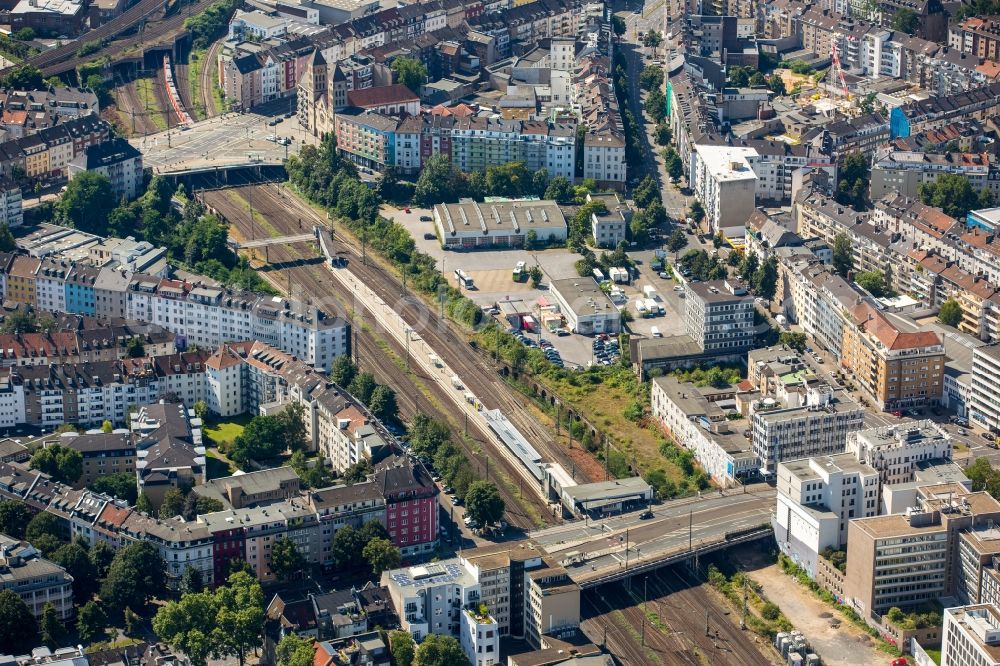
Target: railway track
[
  {"x": 297, "y": 266},
  {"x": 205, "y": 81},
  {"x": 64, "y": 59},
  {"x": 478, "y": 375},
  {"x": 680, "y": 605},
  {"x": 130, "y": 110}
]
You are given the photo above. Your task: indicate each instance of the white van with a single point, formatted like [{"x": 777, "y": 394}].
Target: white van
[{"x": 655, "y": 331}]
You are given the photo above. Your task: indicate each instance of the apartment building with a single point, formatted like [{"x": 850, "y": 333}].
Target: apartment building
[
  {"x": 169, "y": 449},
  {"x": 35, "y": 579},
  {"x": 978, "y": 35},
  {"x": 719, "y": 316},
  {"x": 817, "y": 499},
  {"x": 116, "y": 159},
  {"x": 103, "y": 454},
  {"x": 552, "y": 603},
  {"x": 478, "y": 143},
  {"x": 984, "y": 405},
  {"x": 896, "y": 366},
  {"x": 706, "y": 421},
  {"x": 608, "y": 228},
  {"x": 501, "y": 575},
  {"x": 411, "y": 506},
  {"x": 971, "y": 636},
  {"x": 725, "y": 183},
  {"x": 429, "y": 599},
  {"x": 604, "y": 158},
  {"x": 11, "y": 203},
  {"x": 906, "y": 171},
  {"x": 182, "y": 545}
]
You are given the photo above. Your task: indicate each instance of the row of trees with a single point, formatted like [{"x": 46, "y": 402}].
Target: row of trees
[
  {"x": 954, "y": 195},
  {"x": 441, "y": 182},
  {"x": 378, "y": 398}
]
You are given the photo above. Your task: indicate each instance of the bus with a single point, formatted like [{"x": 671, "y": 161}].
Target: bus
[
  {"x": 464, "y": 279},
  {"x": 519, "y": 271}
]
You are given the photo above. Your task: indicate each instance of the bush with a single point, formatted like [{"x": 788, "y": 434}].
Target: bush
[{"x": 770, "y": 611}]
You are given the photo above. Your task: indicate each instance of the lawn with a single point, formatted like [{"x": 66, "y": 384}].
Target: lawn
[
  {"x": 220, "y": 432},
  {"x": 934, "y": 654},
  {"x": 217, "y": 467}
]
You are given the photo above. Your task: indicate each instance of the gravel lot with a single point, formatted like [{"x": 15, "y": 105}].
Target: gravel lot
[{"x": 841, "y": 645}]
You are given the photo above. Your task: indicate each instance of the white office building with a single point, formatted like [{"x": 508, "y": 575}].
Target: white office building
[
  {"x": 817, "y": 497},
  {"x": 726, "y": 185},
  {"x": 971, "y": 636}
]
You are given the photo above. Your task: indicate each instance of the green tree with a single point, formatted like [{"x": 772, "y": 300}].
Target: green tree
[
  {"x": 677, "y": 241},
  {"x": 295, "y": 650},
  {"x": 137, "y": 574},
  {"x": 796, "y": 341},
  {"x": 188, "y": 625},
  {"x": 44, "y": 532},
  {"x": 535, "y": 276},
  {"x": 86, "y": 203},
  {"x": 383, "y": 403},
  {"x": 286, "y": 560},
  {"x": 777, "y": 85},
  {"x": 652, "y": 39},
  {"x": 402, "y": 648},
  {"x": 14, "y": 518},
  {"x": 765, "y": 280},
  {"x": 439, "y": 182},
  {"x": 770, "y": 611},
  {"x": 101, "y": 555},
  {"x": 363, "y": 386},
  {"x": 950, "y": 313},
  {"x": 75, "y": 559},
  {"x": 241, "y": 615},
  {"x": 346, "y": 547},
  {"x": 651, "y": 77},
  {"x": 342, "y": 371},
  {"x": 92, "y": 622},
  {"x": 559, "y": 189},
  {"x": 410, "y": 72},
  {"x": 52, "y": 628},
  {"x": 192, "y": 581},
  {"x": 264, "y": 437},
  {"x": 618, "y": 25},
  {"x": 18, "y": 629},
  {"x": 60, "y": 462},
  {"x": 540, "y": 182},
  {"x": 852, "y": 190},
  {"x": 7, "y": 242},
  {"x": 172, "y": 504},
  {"x": 291, "y": 420},
  {"x": 357, "y": 472},
  {"x": 873, "y": 282},
  {"x": 201, "y": 410},
  {"x": 697, "y": 212},
  {"x": 483, "y": 503},
  {"x": 952, "y": 193},
  {"x": 843, "y": 257},
  {"x": 439, "y": 650},
  {"x": 23, "y": 77},
  {"x": 662, "y": 134},
  {"x": 121, "y": 485},
  {"x": 906, "y": 20},
  {"x": 675, "y": 167},
  {"x": 381, "y": 555},
  {"x": 143, "y": 504},
  {"x": 511, "y": 179},
  {"x": 134, "y": 348}
]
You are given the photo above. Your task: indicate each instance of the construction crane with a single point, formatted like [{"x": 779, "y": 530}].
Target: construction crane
[{"x": 837, "y": 72}]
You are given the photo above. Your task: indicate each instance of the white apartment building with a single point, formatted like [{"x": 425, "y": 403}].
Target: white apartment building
[
  {"x": 984, "y": 403},
  {"x": 604, "y": 158},
  {"x": 11, "y": 204},
  {"x": 699, "y": 420},
  {"x": 817, "y": 498},
  {"x": 971, "y": 636},
  {"x": 430, "y": 598},
  {"x": 35, "y": 579},
  {"x": 50, "y": 284},
  {"x": 209, "y": 316},
  {"x": 895, "y": 450},
  {"x": 719, "y": 316},
  {"x": 480, "y": 637},
  {"x": 725, "y": 183}
]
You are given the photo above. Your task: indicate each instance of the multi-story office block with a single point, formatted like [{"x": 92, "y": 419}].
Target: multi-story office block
[{"x": 719, "y": 317}]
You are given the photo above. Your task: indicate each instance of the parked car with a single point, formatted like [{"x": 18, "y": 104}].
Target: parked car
[
  {"x": 426, "y": 218},
  {"x": 430, "y": 236}
]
